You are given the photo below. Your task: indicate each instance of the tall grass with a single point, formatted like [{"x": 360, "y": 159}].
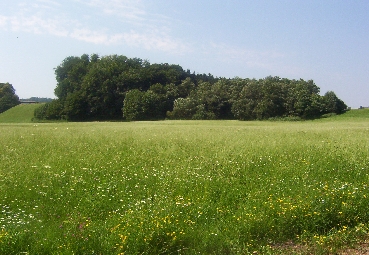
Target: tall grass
[{"x": 181, "y": 187}]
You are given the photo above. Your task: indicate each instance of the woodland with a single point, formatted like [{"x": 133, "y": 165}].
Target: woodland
[{"x": 116, "y": 87}]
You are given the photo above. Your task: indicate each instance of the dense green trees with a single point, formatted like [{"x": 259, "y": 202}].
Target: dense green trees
[
  {"x": 140, "y": 105},
  {"x": 276, "y": 97},
  {"x": 117, "y": 87},
  {"x": 94, "y": 88},
  {"x": 8, "y": 98},
  {"x": 247, "y": 99},
  {"x": 332, "y": 104}
]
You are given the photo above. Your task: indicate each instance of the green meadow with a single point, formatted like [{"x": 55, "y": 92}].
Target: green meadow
[{"x": 184, "y": 187}]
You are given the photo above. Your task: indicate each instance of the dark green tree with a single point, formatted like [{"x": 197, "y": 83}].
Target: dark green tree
[
  {"x": 165, "y": 74},
  {"x": 186, "y": 87},
  {"x": 154, "y": 105},
  {"x": 184, "y": 108},
  {"x": 75, "y": 107},
  {"x": 332, "y": 104},
  {"x": 244, "y": 108},
  {"x": 145, "y": 105},
  {"x": 302, "y": 99},
  {"x": 49, "y": 111},
  {"x": 207, "y": 101},
  {"x": 8, "y": 98},
  {"x": 103, "y": 88},
  {"x": 70, "y": 74},
  {"x": 272, "y": 101},
  {"x": 133, "y": 106}
]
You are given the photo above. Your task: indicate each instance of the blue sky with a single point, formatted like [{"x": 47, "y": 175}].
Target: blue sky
[{"x": 323, "y": 40}]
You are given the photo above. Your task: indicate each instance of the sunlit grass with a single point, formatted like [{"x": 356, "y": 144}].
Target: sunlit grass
[
  {"x": 187, "y": 187},
  {"x": 22, "y": 113}
]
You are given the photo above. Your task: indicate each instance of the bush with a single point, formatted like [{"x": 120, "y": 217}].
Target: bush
[
  {"x": 288, "y": 118},
  {"x": 49, "y": 111}
]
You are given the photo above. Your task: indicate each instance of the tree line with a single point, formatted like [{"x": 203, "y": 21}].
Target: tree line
[
  {"x": 116, "y": 87},
  {"x": 36, "y": 99}
]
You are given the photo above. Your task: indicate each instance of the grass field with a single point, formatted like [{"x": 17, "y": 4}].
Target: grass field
[{"x": 184, "y": 187}]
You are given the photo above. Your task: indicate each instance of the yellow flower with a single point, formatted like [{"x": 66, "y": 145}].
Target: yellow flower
[
  {"x": 3, "y": 233},
  {"x": 123, "y": 238}
]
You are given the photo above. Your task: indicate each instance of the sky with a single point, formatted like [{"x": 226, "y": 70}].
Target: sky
[{"x": 322, "y": 40}]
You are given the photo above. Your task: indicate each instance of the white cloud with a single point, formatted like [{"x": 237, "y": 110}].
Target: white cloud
[
  {"x": 89, "y": 36},
  {"x": 148, "y": 41},
  {"x": 46, "y": 5},
  {"x": 156, "y": 41},
  {"x": 145, "y": 30},
  {"x": 3, "y": 21},
  {"x": 49, "y": 2},
  {"x": 37, "y": 25},
  {"x": 131, "y": 11}
]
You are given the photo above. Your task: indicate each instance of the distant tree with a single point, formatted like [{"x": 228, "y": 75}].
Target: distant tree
[
  {"x": 145, "y": 105},
  {"x": 103, "y": 87},
  {"x": 39, "y": 99},
  {"x": 154, "y": 105},
  {"x": 160, "y": 99},
  {"x": 206, "y": 101},
  {"x": 272, "y": 101},
  {"x": 74, "y": 107},
  {"x": 70, "y": 74},
  {"x": 302, "y": 99},
  {"x": 165, "y": 74},
  {"x": 244, "y": 107},
  {"x": 332, "y": 104},
  {"x": 8, "y": 98},
  {"x": 202, "y": 113},
  {"x": 213, "y": 99},
  {"x": 184, "y": 108},
  {"x": 133, "y": 106}
]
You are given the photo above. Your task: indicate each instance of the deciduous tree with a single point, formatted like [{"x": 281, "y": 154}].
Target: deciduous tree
[{"x": 8, "y": 98}]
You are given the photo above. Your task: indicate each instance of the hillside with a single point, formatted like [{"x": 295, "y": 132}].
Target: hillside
[
  {"x": 356, "y": 114},
  {"x": 22, "y": 113}
]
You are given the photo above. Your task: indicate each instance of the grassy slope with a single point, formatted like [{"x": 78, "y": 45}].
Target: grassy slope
[
  {"x": 353, "y": 115},
  {"x": 22, "y": 113}
]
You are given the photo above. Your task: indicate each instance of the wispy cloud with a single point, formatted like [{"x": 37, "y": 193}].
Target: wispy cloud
[
  {"x": 34, "y": 24},
  {"x": 90, "y": 36},
  {"x": 131, "y": 10},
  {"x": 268, "y": 60},
  {"x": 3, "y": 21},
  {"x": 50, "y": 2},
  {"x": 144, "y": 30},
  {"x": 157, "y": 41},
  {"x": 252, "y": 58}
]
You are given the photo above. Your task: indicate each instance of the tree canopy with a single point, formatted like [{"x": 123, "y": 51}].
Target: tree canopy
[
  {"x": 8, "y": 98},
  {"x": 118, "y": 87}
]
